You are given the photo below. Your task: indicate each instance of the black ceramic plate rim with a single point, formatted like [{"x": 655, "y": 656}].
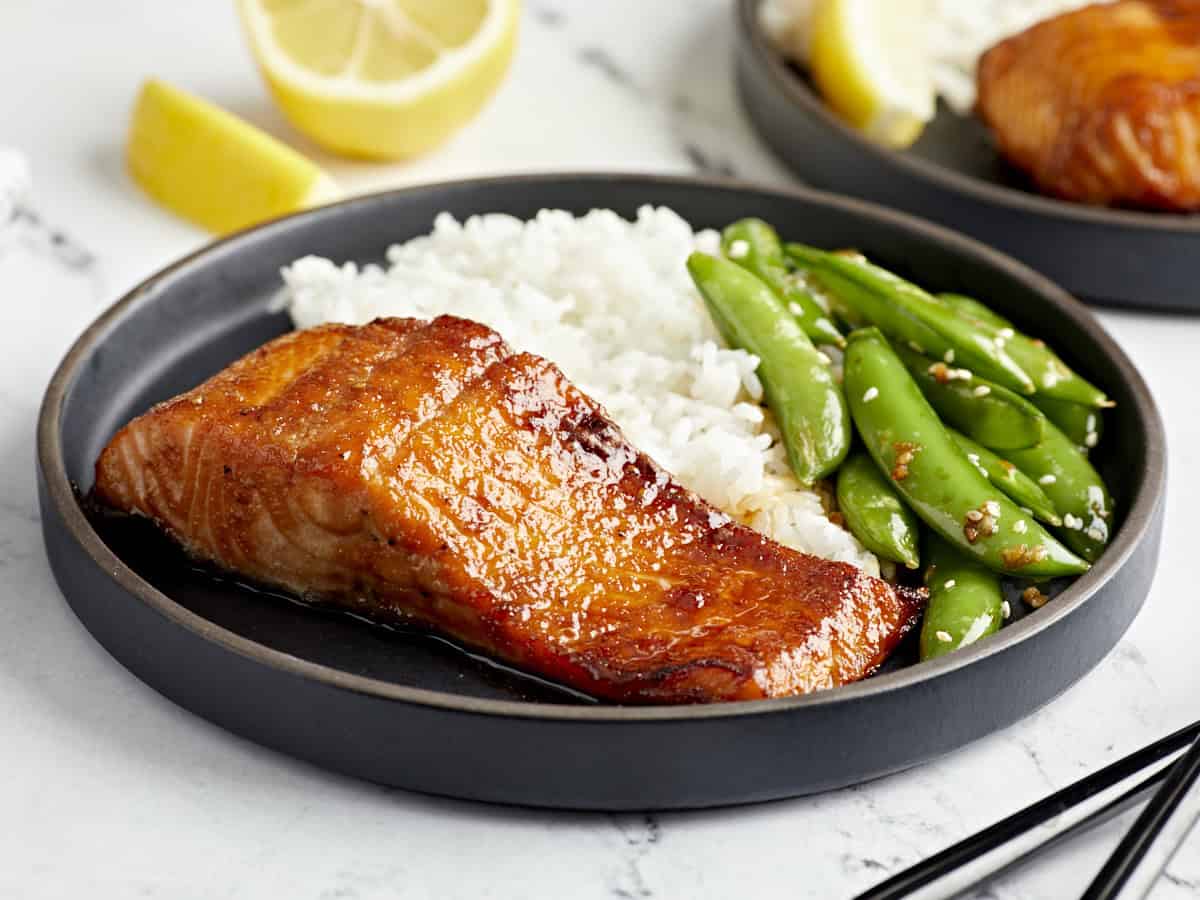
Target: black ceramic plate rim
[
  {"x": 800, "y": 94},
  {"x": 1133, "y": 529}
]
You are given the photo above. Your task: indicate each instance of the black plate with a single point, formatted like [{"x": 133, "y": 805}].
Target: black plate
[
  {"x": 953, "y": 175},
  {"x": 406, "y": 710}
]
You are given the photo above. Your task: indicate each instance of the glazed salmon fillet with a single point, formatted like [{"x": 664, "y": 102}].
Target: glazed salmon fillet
[
  {"x": 1102, "y": 105},
  {"x": 414, "y": 471}
]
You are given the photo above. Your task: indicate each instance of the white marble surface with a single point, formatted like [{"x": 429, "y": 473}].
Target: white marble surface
[{"x": 111, "y": 790}]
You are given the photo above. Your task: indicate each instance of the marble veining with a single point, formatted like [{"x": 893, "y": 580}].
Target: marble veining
[
  {"x": 639, "y": 836},
  {"x": 598, "y": 58},
  {"x": 27, "y": 226},
  {"x": 122, "y": 794}
]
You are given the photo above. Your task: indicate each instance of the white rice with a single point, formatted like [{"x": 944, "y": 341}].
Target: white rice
[
  {"x": 612, "y": 304},
  {"x": 957, "y": 33}
]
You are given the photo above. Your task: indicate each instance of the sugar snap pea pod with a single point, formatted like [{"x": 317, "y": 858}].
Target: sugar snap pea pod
[
  {"x": 1020, "y": 488},
  {"x": 874, "y": 512},
  {"x": 754, "y": 245},
  {"x": 966, "y": 602},
  {"x": 987, "y": 412},
  {"x": 1051, "y": 376},
  {"x": 849, "y": 304},
  {"x": 797, "y": 377},
  {"x": 1082, "y": 424},
  {"x": 973, "y": 309},
  {"x": 845, "y": 318},
  {"x": 910, "y": 444},
  {"x": 852, "y": 302},
  {"x": 1074, "y": 487},
  {"x": 955, "y": 339}
]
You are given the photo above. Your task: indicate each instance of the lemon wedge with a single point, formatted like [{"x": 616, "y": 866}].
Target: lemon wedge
[
  {"x": 212, "y": 168},
  {"x": 869, "y": 59},
  {"x": 382, "y": 79}
]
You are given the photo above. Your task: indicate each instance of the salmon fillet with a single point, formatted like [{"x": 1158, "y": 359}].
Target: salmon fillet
[
  {"x": 422, "y": 471},
  {"x": 1102, "y": 105}
]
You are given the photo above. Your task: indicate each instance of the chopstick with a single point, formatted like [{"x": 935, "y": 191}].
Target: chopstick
[
  {"x": 954, "y": 860},
  {"x": 1133, "y": 847},
  {"x": 991, "y": 862}
]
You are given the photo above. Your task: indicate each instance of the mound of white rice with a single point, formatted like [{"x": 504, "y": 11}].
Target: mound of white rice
[{"x": 612, "y": 304}]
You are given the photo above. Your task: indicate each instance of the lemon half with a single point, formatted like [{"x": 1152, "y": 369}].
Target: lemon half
[
  {"x": 211, "y": 167},
  {"x": 870, "y": 60},
  {"x": 381, "y": 79}
]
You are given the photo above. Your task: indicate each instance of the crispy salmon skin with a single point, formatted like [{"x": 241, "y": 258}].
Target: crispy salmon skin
[
  {"x": 1102, "y": 105},
  {"x": 410, "y": 470}
]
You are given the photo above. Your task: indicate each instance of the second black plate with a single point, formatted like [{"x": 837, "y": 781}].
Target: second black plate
[{"x": 953, "y": 176}]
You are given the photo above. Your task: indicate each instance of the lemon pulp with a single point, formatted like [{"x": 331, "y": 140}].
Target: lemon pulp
[{"x": 381, "y": 79}]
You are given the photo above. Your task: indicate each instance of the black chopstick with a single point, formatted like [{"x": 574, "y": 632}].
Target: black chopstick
[
  {"x": 1141, "y": 835},
  {"x": 952, "y": 858},
  {"x": 1110, "y": 810}
]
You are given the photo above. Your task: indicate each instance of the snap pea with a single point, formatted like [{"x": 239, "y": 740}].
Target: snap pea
[
  {"x": 973, "y": 309},
  {"x": 844, "y": 316},
  {"x": 987, "y": 412},
  {"x": 874, "y": 512},
  {"x": 966, "y": 602},
  {"x": 1019, "y": 487},
  {"x": 1082, "y": 424},
  {"x": 1074, "y": 487},
  {"x": 1051, "y": 376},
  {"x": 797, "y": 378},
  {"x": 899, "y": 303},
  {"x": 908, "y": 442},
  {"x": 855, "y": 307},
  {"x": 754, "y": 245}
]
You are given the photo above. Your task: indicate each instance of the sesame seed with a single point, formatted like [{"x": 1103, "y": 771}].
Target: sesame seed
[
  {"x": 1091, "y": 440},
  {"x": 346, "y": 455},
  {"x": 992, "y": 508},
  {"x": 1096, "y": 534},
  {"x": 1006, "y": 609},
  {"x": 1090, "y": 425},
  {"x": 1073, "y": 522},
  {"x": 950, "y": 582},
  {"x": 795, "y": 308},
  {"x": 1026, "y": 510},
  {"x": 1047, "y": 479},
  {"x": 948, "y": 356},
  {"x": 916, "y": 347},
  {"x": 870, "y": 394},
  {"x": 1020, "y": 526},
  {"x": 738, "y": 249},
  {"x": 974, "y": 458},
  {"x": 944, "y": 637},
  {"x": 982, "y": 391},
  {"x": 1006, "y": 333}
]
